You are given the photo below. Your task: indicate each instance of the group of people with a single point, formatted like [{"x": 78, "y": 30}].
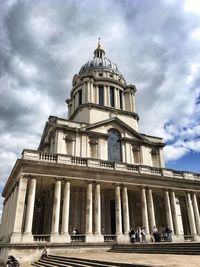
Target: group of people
[{"x": 139, "y": 235}]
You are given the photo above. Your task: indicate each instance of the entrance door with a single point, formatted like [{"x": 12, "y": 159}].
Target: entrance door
[{"x": 112, "y": 217}]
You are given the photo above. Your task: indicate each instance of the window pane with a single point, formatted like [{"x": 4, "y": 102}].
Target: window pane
[
  {"x": 80, "y": 97},
  {"x": 120, "y": 99},
  {"x": 112, "y": 96},
  {"x": 101, "y": 95},
  {"x": 114, "y": 146}
]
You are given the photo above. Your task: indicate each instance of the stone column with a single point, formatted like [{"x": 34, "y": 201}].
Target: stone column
[
  {"x": 11, "y": 213},
  {"x": 174, "y": 214},
  {"x": 196, "y": 212},
  {"x": 88, "y": 220},
  {"x": 65, "y": 213},
  {"x": 126, "y": 218},
  {"x": 19, "y": 210},
  {"x": 97, "y": 215},
  {"x": 3, "y": 220},
  {"x": 145, "y": 220},
  {"x": 131, "y": 101},
  {"x": 190, "y": 215},
  {"x": 168, "y": 212},
  {"x": 56, "y": 213},
  {"x": 28, "y": 237},
  {"x": 151, "y": 212},
  {"x": 105, "y": 95},
  {"x": 116, "y": 97},
  {"x": 108, "y": 95},
  {"x": 88, "y": 92},
  {"x": 118, "y": 215},
  {"x": 8, "y": 207},
  {"x": 92, "y": 92}
]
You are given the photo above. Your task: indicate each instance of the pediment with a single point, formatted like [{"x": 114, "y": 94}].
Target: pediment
[{"x": 125, "y": 130}]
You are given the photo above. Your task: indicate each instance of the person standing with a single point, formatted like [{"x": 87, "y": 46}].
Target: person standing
[
  {"x": 155, "y": 234},
  {"x": 143, "y": 235}
]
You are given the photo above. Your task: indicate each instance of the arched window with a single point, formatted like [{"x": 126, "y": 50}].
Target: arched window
[{"x": 114, "y": 145}]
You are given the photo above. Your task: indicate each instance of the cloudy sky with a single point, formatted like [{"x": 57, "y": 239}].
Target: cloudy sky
[{"x": 155, "y": 43}]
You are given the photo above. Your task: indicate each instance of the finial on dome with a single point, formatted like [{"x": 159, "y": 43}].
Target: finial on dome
[
  {"x": 99, "y": 42},
  {"x": 99, "y": 52}
]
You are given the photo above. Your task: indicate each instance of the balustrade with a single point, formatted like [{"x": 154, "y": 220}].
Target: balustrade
[{"x": 35, "y": 155}]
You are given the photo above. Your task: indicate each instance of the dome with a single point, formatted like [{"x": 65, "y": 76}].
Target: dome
[{"x": 99, "y": 62}]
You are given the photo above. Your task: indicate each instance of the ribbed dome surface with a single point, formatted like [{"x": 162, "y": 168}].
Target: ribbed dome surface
[{"x": 99, "y": 63}]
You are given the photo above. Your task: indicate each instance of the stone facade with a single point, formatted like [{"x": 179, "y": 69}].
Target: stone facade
[{"x": 96, "y": 172}]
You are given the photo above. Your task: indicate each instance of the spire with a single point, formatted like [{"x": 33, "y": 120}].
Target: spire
[
  {"x": 99, "y": 42},
  {"x": 99, "y": 52}
]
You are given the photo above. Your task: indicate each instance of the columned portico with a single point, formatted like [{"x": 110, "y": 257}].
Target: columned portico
[
  {"x": 56, "y": 213},
  {"x": 27, "y": 236}
]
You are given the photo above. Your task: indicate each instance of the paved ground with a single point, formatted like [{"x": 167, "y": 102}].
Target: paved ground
[
  {"x": 148, "y": 259},
  {"x": 143, "y": 259}
]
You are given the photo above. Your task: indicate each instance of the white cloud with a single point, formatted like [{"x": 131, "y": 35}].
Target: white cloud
[
  {"x": 192, "y": 5},
  {"x": 174, "y": 152}
]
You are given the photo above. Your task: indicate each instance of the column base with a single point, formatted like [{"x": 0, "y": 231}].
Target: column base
[
  {"x": 27, "y": 238},
  {"x": 65, "y": 238},
  {"x": 16, "y": 238},
  {"x": 98, "y": 238},
  {"x": 89, "y": 238},
  {"x": 55, "y": 238},
  {"x": 120, "y": 238},
  {"x": 196, "y": 238},
  {"x": 177, "y": 238}
]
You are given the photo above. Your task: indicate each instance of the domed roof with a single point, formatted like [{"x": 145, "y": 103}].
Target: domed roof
[{"x": 99, "y": 62}]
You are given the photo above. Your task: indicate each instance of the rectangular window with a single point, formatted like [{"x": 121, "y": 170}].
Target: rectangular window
[
  {"x": 120, "y": 100},
  {"x": 80, "y": 97},
  {"x": 112, "y": 96},
  {"x": 101, "y": 95}
]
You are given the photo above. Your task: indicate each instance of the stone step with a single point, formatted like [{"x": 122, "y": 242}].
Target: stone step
[
  {"x": 159, "y": 248},
  {"x": 61, "y": 261}
]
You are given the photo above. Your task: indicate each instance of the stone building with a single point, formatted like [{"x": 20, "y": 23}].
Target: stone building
[{"x": 96, "y": 172}]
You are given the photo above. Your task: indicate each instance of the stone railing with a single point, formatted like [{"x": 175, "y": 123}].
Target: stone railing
[
  {"x": 119, "y": 166},
  {"x": 41, "y": 238},
  {"x": 77, "y": 238},
  {"x": 109, "y": 238}
]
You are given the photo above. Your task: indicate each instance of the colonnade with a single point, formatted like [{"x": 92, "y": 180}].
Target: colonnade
[
  {"x": 17, "y": 218},
  {"x": 90, "y": 94}
]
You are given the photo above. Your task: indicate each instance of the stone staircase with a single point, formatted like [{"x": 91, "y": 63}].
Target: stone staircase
[
  {"x": 192, "y": 248},
  {"x": 60, "y": 261}
]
